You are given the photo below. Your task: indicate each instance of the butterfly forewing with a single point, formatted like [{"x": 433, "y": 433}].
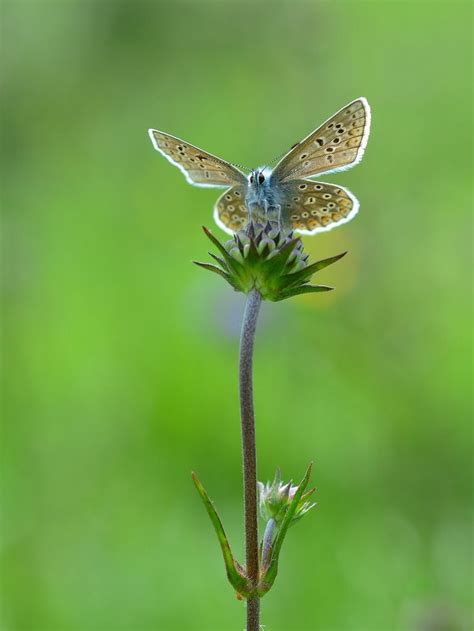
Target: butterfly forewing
[
  {"x": 312, "y": 207},
  {"x": 337, "y": 145},
  {"x": 230, "y": 211},
  {"x": 199, "y": 167}
]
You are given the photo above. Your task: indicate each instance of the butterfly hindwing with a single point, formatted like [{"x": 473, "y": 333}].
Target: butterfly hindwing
[
  {"x": 230, "y": 211},
  {"x": 337, "y": 145},
  {"x": 199, "y": 167},
  {"x": 312, "y": 207}
]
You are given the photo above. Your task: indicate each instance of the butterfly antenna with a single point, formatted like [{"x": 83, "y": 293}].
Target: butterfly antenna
[
  {"x": 279, "y": 157},
  {"x": 240, "y": 166},
  {"x": 224, "y": 163},
  {"x": 234, "y": 164}
]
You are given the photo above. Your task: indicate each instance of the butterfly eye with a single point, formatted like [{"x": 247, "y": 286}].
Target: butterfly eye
[{"x": 261, "y": 178}]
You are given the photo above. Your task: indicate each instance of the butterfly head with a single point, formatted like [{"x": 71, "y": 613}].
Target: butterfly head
[{"x": 257, "y": 178}]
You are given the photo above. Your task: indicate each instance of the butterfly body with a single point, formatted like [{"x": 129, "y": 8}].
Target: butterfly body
[
  {"x": 287, "y": 194},
  {"x": 262, "y": 196}
]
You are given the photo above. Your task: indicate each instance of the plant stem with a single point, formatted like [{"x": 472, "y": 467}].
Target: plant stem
[
  {"x": 249, "y": 454},
  {"x": 253, "y": 614}
]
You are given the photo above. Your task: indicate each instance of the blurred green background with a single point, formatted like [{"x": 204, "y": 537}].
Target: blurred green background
[{"x": 121, "y": 356}]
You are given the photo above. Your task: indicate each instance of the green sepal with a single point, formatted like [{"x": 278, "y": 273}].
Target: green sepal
[
  {"x": 235, "y": 572},
  {"x": 268, "y": 577},
  {"x": 252, "y": 256},
  {"x": 303, "y": 289},
  {"x": 318, "y": 265},
  {"x": 216, "y": 242},
  {"x": 220, "y": 261},
  {"x": 305, "y": 274},
  {"x": 277, "y": 263},
  {"x": 304, "y": 499},
  {"x": 232, "y": 264},
  {"x": 216, "y": 270}
]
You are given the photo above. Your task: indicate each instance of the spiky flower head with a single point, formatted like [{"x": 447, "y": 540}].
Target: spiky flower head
[
  {"x": 267, "y": 258},
  {"x": 275, "y": 498}
]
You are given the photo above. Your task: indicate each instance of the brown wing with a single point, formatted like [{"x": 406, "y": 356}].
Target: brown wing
[
  {"x": 337, "y": 145},
  {"x": 311, "y": 207},
  {"x": 199, "y": 167},
  {"x": 230, "y": 211}
]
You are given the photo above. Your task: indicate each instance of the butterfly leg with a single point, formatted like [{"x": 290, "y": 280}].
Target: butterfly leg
[
  {"x": 267, "y": 208},
  {"x": 273, "y": 213},
  {"x": 278, "y": 214},
  {"x": 251, "y": 212},
  {"x": 254, "y": 211}
]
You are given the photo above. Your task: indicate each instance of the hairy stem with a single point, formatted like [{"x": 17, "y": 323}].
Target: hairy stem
[
  {"x": 249, "y": 455},
  {"x": 253, "y": 614}
]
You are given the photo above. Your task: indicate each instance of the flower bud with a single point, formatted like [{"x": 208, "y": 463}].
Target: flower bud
[
  {"x": 269, "y": 259},
  {"x": 275, "y": 498}
]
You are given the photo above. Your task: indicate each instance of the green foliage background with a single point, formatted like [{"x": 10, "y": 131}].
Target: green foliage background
[{"x": 121, "y": 356}]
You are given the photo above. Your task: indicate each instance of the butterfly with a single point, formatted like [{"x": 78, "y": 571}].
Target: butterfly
[{"x": 286, "y": 193}]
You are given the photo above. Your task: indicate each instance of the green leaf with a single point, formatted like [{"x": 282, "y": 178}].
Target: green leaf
[
  {"x": 235, "y": 573},
  {"x": 268, "y": 577}
]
